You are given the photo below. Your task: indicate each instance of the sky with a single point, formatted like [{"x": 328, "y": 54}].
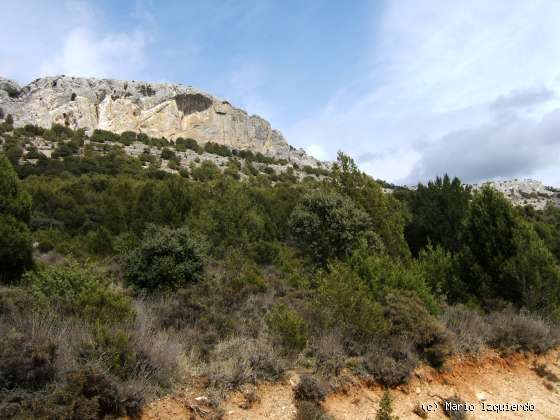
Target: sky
[{"x": 409, "y": 89}]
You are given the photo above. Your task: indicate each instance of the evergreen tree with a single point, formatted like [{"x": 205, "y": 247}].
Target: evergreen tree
[
  {"x": 438, "y": 213},
  {"x": 15, "y": 210}
]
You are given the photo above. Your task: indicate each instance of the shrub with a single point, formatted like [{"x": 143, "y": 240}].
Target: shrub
[
  {"x": 143, "y": 138},
  {"x": 385, "y": 411},
  {"x": 511, "y": 331},
  {"x": 90, "y": 393},
  {"x": 183, "y": 144},
  {"x": 217, "y": 149},
  {"x": 113, "y": 348},
  {"x": 469, "y": 327},
  {"x": 102, "y": 136},
  {"x": 15, "y": 301},
  {"x": 166, "y": 259},
  {"x": 167, "y": 154},
  {"x": 207, "y": 171},
  {"x": 309, "y": 388},
  {"x": 307, "y": 410},
  {"x": 410, "y": 319},
  {"x": 288, "y": 328},
  {"x": 61, "y": 132},
  {"x": 241, "y": 360},
  {"x": 80, "y": 291},
  {"x": 14, "y": 200},
  {"x": 25, "y": 364},
  {"x": 328, "y": 225},
  {"x": 15, "y": 248},
  {"x": 391, "y": 362},
  {"x": 329, "y": 353},
  {"x": 343, "y": 301},
  {"x": 33, "y": 130},
  {"x": 62, "y": 150},
  {"x": 128, "y": 137}
]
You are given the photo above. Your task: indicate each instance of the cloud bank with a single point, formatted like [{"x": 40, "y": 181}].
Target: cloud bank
[{"x": 469, "y": 89}]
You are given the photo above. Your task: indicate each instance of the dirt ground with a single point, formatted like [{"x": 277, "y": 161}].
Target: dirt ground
[{"x": 489, "y": 379}]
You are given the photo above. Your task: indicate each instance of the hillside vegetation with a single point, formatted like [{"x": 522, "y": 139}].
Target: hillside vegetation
[{"x": 121, "y": 281}]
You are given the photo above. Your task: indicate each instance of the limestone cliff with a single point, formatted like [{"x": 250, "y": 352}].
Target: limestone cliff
[{"x": 157, "y": 109}]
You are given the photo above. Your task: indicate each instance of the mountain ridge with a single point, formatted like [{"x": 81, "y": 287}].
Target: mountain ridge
[{"x": 156, "y": 109}]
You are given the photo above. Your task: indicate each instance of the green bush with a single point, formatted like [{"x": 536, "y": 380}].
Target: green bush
[
  {"x": 14, "y": 200},
  {"x": 15, "y": 248},
  {"x": 113, "y": 348},
  {"x": 62, "y": 150},
  {"x": 217, "y": 149},
  {"x": 128, "y": 137},
  {"x": 287, "y": 328},
  {"x": 167, "y": 154},
  {"x": 410, "y": 319},
  {"x": 438, "y": 212},
  {"x": 385, "y": 411},
  {"x": 343, "y": 301},
  {"x": 328, "y": 225},
  {"x": 166, "y": 259},
  {"x": 102, "y": 136},
  {"x": 182, "y": 144},
  {"x": 207, "y": 171},
  {"x": 81, "y": 291}
]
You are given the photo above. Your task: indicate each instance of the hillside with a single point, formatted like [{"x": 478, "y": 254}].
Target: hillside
[
  {"x": 144, "y": 276},
  {"x": 487, "y": 378}
]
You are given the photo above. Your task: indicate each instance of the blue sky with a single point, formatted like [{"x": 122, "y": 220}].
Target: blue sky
[{"x": 410, "y": 89}]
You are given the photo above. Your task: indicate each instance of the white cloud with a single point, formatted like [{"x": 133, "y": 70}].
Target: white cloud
[
  {"x": 85, "y": 53},
  {"x": 318, "y": 151},
  {"x": 69, "y": 38},
  {"x": 436, "y": 70}
]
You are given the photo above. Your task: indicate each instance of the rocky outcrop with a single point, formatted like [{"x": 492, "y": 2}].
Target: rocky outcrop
[
  {"x": 157, "y": 109},
  {"x": 523, "y": 192}
]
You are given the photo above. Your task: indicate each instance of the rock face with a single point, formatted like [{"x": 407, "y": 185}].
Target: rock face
[
  {"x": 157, "y": 109},
  {"x": 522, "y": 192}
]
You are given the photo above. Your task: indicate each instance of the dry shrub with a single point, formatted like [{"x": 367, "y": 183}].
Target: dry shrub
[
  {"x": 25, "y": 363},
  {"x": 310, "y": 388},
  {"x": 392, "y": 362},
  {"x": 240, "y": 360},
  {"x": 511, "y": 331},
  {"x": 86, "y": 393},
  {"x": 14, "y": 301},
  {"x": 329, "y": 353},
  {"x": 309, "y": 410},
  {"x": 37, "y": 349},
  {"x": 469, "y": 327},
  {"x": 410, "y": 319},
  {"x": 161, "y": 351}
]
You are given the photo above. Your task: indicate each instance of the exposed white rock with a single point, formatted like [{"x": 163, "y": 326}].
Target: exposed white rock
[
  {"x": 157, "y": 109},
  {"x": 523, "y": 192}
]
